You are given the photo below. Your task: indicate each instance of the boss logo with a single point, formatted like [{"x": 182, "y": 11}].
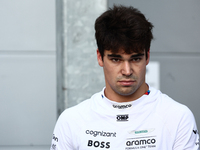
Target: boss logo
[
  {"x": 99, "y": 144},
  {"x": 122, "y": 117}
]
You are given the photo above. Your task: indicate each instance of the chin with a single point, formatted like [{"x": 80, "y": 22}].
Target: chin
[{"x": 126, "y": 93}]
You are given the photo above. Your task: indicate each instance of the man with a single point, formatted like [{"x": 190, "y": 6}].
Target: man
[{"x": 127, "y": 113}]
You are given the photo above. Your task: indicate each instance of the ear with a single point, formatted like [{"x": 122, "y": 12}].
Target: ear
[
  {"x": 99, "y": 58},
  {"x": 148, "y": 55}
]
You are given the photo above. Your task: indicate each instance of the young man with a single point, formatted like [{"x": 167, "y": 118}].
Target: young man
[{"x": 127, "y": 113}]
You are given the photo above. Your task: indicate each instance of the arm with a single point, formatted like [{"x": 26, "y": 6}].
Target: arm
[
  {"x": 62, "y": 137},
  {"x": 187, "y": 137}
]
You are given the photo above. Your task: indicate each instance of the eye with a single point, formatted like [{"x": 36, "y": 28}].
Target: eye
[
  {"x": 136, "y": 59},
  {"x": 115, "y": 59}
]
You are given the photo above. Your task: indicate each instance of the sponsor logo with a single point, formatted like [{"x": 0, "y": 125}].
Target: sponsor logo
[
  {"x": 55, "y": 138},
  {"x": 197, "y": 143},
  {"x": 195, "y": 131},
  {"x": 100, "y": 133},
  {"x": 122, "y": 106},
  {"x": 98, "y": 144},
  {"x": 141, "y": 143},
  {"x": 53, "y": 147},
  {"x": 122, "y": 117},
  {"x": 141, "y": 132}
]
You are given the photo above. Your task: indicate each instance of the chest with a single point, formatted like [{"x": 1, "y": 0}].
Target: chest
[{"x": 125, "y": 132}]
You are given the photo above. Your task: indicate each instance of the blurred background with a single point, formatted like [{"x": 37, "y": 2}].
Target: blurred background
[{"x": 48, "y": 61}]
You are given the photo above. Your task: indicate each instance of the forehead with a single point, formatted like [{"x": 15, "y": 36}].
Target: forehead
[{"x": 121, "y": 53}]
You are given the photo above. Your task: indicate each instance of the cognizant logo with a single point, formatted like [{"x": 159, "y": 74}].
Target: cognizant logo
[{"x": 100, "y": 133}]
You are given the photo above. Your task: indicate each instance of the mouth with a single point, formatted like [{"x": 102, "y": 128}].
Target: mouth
[{"x": 126, "y": 82}]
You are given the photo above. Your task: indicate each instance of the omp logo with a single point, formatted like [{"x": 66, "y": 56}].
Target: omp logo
[
  {"x": 122, "y": 117},
  {"x": 98, "y": 144},
  {"x": 100, "y": 133},
  {"x": 122, "y": 106},
  {"x": 137, "y": 142}
]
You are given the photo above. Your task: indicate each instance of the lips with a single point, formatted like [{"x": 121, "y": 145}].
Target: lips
[{"x": 126, "y": 82}]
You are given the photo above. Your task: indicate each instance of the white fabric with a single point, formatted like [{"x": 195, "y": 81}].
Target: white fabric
[{"x": 152, "y": 122}]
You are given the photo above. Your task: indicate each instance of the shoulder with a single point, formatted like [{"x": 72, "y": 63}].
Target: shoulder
[
  {"x": 80, "y": 111},
  {"x": 180, "y": 123},
  {"x": 176, "y": 108},
  {"x": 171, "y": 111},
  {"x": 68, "y": 125},
  {"x": 167, "y": 108},
  {"x": 75, "y": 111}
]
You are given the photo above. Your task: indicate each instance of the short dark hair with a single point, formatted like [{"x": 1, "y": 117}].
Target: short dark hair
[{"x": 123, "y": 28}]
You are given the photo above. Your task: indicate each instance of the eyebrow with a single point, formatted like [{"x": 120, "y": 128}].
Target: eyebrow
[{"x": 119, "y": 56}]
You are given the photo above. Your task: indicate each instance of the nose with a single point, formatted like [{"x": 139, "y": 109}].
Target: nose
[{"x": 126, "y": 69}]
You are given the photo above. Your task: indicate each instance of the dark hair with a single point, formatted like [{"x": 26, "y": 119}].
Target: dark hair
[{"x": 123, "y": 28}]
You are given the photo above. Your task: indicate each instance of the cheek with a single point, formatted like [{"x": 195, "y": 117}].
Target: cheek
[
  {"x": 109, "y": 67},
  {"x": 110, "y": 72},
  {"x": 141, "y": 71}
]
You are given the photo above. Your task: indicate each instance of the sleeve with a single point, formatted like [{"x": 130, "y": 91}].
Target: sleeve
[
  {"x": 187, "y": 137},
  {"x": 62, "y": 138}
]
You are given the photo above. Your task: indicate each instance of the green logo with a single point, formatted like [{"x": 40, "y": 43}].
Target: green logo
[{"x": 142, "y": 131}]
